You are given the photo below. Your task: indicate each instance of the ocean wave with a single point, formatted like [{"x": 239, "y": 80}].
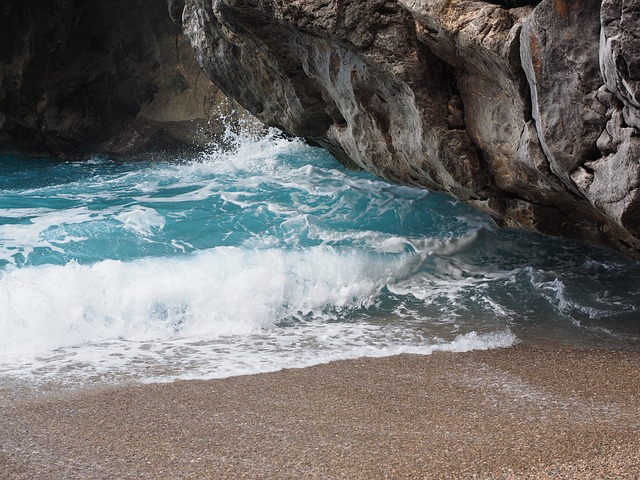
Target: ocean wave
[
  {"x": 268, "y": 255},
  {"x": 222, "y": 291}
]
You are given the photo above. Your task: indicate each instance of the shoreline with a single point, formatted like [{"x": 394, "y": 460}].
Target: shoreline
[{"x": 519, "y": 412}]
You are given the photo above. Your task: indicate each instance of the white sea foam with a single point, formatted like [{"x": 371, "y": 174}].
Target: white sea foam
[
  {"x": 141, "y": 220},
  {"x": 221, "y": 291},
  {"x": 221, "y": 312},
  {"x": 199, "y": 357},
  {"x": 24, "y": 212},
  {"x": 42, "y": 228}
]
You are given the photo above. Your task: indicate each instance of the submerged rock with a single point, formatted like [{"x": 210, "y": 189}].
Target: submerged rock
[{"x": 526, "y": 109}]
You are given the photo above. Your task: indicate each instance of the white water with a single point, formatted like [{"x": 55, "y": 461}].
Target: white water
[
  {"x": 272, "y": 256},
  {"x": 224, "y": 311}
]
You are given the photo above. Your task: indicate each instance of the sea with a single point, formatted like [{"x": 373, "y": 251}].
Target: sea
[{"x": 268, "y": 254}]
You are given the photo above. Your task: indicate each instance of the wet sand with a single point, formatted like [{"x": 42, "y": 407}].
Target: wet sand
[{"x": 512, "y": 413}]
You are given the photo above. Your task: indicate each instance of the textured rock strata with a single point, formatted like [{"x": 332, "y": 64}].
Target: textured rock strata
[
  {"x": 79, "y": 78},
  {"x": 529, "y": 110}
]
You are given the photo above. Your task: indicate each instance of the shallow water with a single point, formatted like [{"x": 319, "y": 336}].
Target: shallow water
[{"x": 272, "y": 255}]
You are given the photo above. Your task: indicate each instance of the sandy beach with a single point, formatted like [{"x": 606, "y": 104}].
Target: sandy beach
[{"x": 512, "y": 413}]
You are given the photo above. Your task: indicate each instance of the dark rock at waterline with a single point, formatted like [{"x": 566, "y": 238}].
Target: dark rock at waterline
[
  {"x": 81, "y": 77},
  {"x": 526, "y": 109}
]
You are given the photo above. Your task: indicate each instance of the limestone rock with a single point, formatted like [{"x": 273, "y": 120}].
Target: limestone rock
[
  {"x": 620, "y": 54},
  {"x": 499, "y": 103},
  {"x": 558, "y": 43},
  {"x": 355, "y": 80}
]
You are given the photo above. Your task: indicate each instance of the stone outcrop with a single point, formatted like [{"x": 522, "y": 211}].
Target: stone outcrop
[
  {"x": 79, "y": 78},
  {"x": 529, "y": 110}
]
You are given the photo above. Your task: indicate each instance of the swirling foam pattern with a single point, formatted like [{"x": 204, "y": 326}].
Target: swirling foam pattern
[{"x": 271, "y": 255}]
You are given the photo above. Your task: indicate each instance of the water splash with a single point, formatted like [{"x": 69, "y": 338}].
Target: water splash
[{"x": 270, "y": 255}]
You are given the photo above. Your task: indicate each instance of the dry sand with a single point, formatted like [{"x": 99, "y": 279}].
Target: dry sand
[{"x": 514, "y": 413}]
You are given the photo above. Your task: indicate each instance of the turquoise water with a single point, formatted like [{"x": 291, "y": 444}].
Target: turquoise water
[{"x": 272, "y": 255}]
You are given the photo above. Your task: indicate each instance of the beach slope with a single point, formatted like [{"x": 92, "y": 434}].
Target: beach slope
[{"x": 511, "y": 413}]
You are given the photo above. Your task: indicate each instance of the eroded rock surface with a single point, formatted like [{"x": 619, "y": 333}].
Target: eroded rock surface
[
  {"x": 527, "y": 109},
  {"x": 79, "y": 78}
]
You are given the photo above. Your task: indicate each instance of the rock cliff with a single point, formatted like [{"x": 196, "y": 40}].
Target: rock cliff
[
  {"x": 79, "y": 78},
  {"x": 529, "y": 110}
]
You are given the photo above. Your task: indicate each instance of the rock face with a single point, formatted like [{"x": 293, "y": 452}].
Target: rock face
[
  {"x": 529, "y": 110},
  {"x": 79, "y": 78}
]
